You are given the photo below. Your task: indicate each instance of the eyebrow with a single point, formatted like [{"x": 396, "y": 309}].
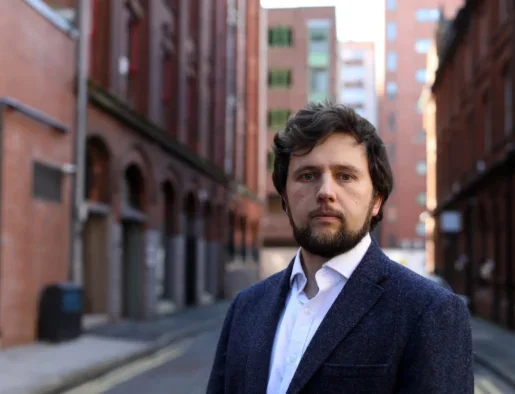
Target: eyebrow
[{"x": 345, "y": 167}]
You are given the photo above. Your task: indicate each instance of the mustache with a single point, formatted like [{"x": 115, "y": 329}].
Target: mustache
[{"x": 326, "y": 212}]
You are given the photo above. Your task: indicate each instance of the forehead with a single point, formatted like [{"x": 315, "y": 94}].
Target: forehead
[{"x": 339, "y": 149}]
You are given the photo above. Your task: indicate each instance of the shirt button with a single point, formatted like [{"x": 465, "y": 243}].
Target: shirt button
[
  {"x": 292, "y": 358},
  {"x": 308, "y": 311}
]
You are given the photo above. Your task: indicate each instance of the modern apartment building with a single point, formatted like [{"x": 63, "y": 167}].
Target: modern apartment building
[
  {"x": 357, "y": 86},
  {"x": 409, "y": 29},
  {"x": 302, "y": 67},
  {"x": 171, "y": 207}
]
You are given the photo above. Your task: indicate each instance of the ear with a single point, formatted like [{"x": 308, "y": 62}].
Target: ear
[{"x": 377, "y": 205}]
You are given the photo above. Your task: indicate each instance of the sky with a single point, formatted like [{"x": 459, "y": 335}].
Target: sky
[{"x": 356, "y": 20}]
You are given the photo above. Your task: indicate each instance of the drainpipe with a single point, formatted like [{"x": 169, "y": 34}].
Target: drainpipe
[{"x": 79, "y": 208}]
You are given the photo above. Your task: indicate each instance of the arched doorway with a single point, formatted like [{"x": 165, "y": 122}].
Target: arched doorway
[
  {"x": 191, "y": 208},
  {"x": 95, "y": 263},
  {"x": 164, "y": 267},
  {"x": 133, "y": 219}
]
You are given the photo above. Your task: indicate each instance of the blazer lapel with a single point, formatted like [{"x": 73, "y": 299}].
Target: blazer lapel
[
  {"x": 359, "y": 295},
  {"x": 258, "y": 362}
]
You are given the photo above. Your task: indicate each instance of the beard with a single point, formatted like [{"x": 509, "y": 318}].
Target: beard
[{"x": 333, "y": 244}]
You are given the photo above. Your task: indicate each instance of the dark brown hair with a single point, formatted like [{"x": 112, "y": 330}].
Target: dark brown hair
[{"x": 312, "y": 125}]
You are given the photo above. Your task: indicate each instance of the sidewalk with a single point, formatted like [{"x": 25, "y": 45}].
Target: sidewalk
[
  {"x": 494, "y": 348},
  {"x": 52, "y": 368}
]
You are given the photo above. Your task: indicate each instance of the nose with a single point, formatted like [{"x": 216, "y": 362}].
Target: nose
[{"x": 326, "y": 193}]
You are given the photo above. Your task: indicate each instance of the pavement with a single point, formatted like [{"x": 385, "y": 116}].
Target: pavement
[
  {"x": 494, "y": 348},
  {"x": 43, "y": 368}
]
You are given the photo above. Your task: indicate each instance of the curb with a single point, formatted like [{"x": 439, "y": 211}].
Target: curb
[
  {"x": 78, "y": 378},
  {"x": 507, "y": 378}
]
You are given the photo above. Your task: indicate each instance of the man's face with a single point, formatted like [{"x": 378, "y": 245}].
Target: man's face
[{"x": 329, "y": 196}]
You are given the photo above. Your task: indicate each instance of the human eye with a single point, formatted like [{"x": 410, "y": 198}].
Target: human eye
[
  {"x": 308, "y": 176},
  {"x": 344, "y": 176}
]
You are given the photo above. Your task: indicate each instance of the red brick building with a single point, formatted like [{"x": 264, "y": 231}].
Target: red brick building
[
  {"x": 409, "y": 29},
  {"x": 475, "y": 158},
  {"x": 302, "y": 66},
  {"x": 175, "y": 141}
]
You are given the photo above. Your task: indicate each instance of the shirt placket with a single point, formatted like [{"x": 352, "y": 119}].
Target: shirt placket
[{"x": 303, "y": 321}]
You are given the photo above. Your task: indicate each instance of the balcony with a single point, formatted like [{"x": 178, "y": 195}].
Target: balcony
[{"x": 318, "y": 59}]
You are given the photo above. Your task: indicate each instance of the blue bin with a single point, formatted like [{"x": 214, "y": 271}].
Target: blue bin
[{"x": 60, "y": 312}]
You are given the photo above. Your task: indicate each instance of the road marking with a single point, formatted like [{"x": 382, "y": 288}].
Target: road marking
[
  {"x": 488, "y": 386},
  {"x": 129, "y": 371}
]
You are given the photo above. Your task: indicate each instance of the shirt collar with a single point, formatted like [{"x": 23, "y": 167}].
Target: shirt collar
[{"x": 344, "y": 264}]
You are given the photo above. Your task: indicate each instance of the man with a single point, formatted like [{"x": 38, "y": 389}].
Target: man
[{"x": 342, "y": 318}]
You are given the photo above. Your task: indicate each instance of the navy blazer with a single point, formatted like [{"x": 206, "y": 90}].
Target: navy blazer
[{"x": 389, "y": 331}]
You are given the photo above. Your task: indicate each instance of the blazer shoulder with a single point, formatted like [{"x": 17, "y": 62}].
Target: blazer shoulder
[{"x": 415, "y": 290}]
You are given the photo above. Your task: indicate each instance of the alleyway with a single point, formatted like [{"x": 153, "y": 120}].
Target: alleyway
[{"x": 185, "y": 367}]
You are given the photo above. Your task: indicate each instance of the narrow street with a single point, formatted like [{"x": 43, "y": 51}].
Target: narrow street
[{"x": 184, "y": 367}]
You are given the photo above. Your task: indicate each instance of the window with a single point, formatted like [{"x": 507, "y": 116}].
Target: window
[
  {"x": 353, "y": 95},
  {"x": 360, "y": 112},
  {"x": 503, "y": 10},
  {"x": 277, "y": 118},
  {"x": 428, "y": 15},
  {"x": 508, "y": 102},
  {"x": 419, "y": 107},
  {"x": 275, "y": 203},
  {"x": 353, "y": 73},
  {"x": 280, "y": 36},
  {"x": 271, "y": 158},
  {"x": 46, "y": 182},
  {"x": 391, "y": 61},
  {"x": 487, "y": 122},
  {"x": 421, "y": 167},
  {"x": 391, "y": 214},
  {"x": 319, "y": 80},
  {"x": 391, "y": 152},
  {"x": 421, "y": 199},
  {"x": 420, "y": 75},
  {"x": 319, "y": 40},
  {"x": 353, "y": 54},
  {"x": 421, "y": 229},
  {"x": 391, "y": 90},
  {"x": 392, "y": 122},
  {"x": 392, "y": 241},
  {"x": 391, "y": 5},
  {"x": 391, "y": 31},
  {"x": 422, "y": 45},
  {"x": 278, "y": 78},
  {"x": 420, "y": 137}
]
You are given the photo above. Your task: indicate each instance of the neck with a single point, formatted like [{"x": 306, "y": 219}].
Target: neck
[{"x": 311, "y": 264}]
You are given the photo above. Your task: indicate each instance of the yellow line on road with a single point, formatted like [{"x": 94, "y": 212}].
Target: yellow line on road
[
  {"x": 129, "y": 371},
  {"x": 490, "y": 388}
]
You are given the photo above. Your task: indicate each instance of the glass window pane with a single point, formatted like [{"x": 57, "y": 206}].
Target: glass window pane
[
  {"x": 391, "y": 61},
  {"x": 422, "y": 45},
  {"x": 391, "y": 31}
]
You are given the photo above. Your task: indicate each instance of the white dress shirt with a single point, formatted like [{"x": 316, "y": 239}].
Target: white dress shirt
[{"x": 302, "y": 316}]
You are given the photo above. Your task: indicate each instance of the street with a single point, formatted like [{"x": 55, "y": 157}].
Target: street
[{"x": 183, "y": 368}]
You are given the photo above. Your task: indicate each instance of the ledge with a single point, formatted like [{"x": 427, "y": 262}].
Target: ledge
[
  {"x": 51, "y": 15},
  {"x": 121, "y": 111},
  {"x": 476, "y": 181},
  {"x": 33, "y": 114}
]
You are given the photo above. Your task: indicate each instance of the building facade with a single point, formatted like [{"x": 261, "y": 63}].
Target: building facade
[
  {"x": 474, "y": 214},
  {"x": 302, "y": 67},
  {"x": 409, "y": 29},
  {"x": 357, "y": 86},
  {"x": 175, "y": 134}
]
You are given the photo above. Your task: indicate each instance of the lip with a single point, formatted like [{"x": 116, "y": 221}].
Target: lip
[{"x": 326, "y": 217}]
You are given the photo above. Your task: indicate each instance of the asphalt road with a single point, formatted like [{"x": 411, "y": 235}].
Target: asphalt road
[{"x": 184, "y": 367}]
